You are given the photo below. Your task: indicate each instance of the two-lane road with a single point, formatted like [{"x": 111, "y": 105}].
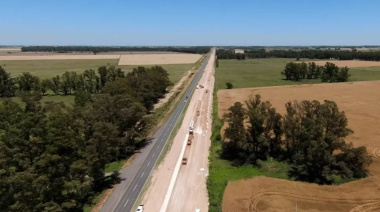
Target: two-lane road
[{"x": 134, "y": 189}]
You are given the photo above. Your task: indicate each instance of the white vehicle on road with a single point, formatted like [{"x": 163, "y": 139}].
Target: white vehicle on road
[{"x": 140, "y": 208}]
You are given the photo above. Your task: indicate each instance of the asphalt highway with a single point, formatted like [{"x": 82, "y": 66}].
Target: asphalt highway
[{"x": 159, "y": 139}]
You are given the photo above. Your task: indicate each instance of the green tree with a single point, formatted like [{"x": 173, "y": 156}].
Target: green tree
[
  {"x": 235, "y": 134},
  {"x": 66, "y": 83},
  {"x": 45, "y": 85},
  {"x": 7, "y": 85},
  {"x": 354, "y": 162},
  {"x": 330, "y": 72},
  {"x": 82, "y": 98},
  {"x": 56, "y": 86},
  {"x": 259, "y": 129},
  {"x": 313, "y": 164},
  {"x": 27, "y": 82},
  {"x": 229, "y": 85},
  {"x": 90, "y": 80},
  {"x": 343, "y": 74}
]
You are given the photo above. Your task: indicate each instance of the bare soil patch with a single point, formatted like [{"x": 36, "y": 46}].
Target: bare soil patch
[
  {"x": 360, "y": 101},
  {"x": 349, "y": 63},
  {"x": 157, "y": 59}
]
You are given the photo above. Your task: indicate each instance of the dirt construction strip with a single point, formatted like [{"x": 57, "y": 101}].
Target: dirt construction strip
[{"x": 191, "y": 194}]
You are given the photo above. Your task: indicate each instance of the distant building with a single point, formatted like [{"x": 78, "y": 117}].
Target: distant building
[{"x": 239, "y": 51}]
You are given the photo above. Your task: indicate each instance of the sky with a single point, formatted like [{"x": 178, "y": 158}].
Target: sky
[{"x": 189, "y": 22}]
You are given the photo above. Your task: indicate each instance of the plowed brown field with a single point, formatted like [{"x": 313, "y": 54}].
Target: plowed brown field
[
  {"x": 349, "y": 63},
  {"x": 361, "y": 103}
]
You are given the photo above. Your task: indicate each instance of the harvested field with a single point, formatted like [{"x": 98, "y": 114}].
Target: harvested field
[
  {"x": 349, "y": 63},
  {"x": 10, "y": 49},
  {"x": 60, "y": 57},
  {"x": 270, "y": 194},
  {"x": 360, "y": 101},
  {"x": 157, "y": 59}
]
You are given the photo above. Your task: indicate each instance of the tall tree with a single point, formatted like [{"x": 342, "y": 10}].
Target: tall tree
[
  {"x": 28, "y": 82},
  {"x": 235, "y": 134},
  {"x": 56, "y": 86},
  {"x": 7, "y": 85}
]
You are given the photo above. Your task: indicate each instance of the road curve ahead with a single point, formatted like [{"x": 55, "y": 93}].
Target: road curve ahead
[{"x": 133, "y": 191}]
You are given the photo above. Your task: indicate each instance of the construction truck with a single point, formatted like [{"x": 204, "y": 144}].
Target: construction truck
[{"x": 191, "y": 128}]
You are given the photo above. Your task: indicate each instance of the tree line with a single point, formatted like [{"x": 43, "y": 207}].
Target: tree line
[
  {"x": 97, "y": 49},
  {"x": 304, "y": 53},
  {"x": 53, "y": 157},
  {"x": 327, "y": 73},
  {"x": 90, "y": 81},
  {"x": 310, "y": 136}
]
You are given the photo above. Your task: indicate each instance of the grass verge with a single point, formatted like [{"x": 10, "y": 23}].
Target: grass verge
[{"x": 114, "y": 166}]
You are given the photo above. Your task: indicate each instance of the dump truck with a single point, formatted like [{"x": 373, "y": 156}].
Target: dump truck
[
  {"x": 191, "y": 128},
  {"x": 188, "y": 142}
]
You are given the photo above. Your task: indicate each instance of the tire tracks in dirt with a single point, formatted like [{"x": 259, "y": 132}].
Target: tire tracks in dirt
[
  {"x": 376, "y": 152},
  {"x": 365, "y": 204}
]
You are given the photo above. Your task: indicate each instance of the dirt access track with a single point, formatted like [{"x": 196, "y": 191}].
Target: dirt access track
[{"x": 361, "y": 103}]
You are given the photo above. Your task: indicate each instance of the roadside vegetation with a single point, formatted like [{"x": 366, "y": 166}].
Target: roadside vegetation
[{"x": 57, "y": 155}]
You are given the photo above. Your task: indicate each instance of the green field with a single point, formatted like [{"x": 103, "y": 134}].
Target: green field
[
  {"x": 68, "y": 100},
  {"x": 267, "y": 72},
  {"x": 51, "y": 68}
]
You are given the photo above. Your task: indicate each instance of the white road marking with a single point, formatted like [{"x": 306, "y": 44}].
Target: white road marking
[
  {"x": 153, "y": 154},
  {"x": 157, "y": 147},
  {"x": 134, "y": 188},
  {"x": 148, "y": 163},
  {"x": 126, "y": 202},
  {"x": 142, "y": 175}
]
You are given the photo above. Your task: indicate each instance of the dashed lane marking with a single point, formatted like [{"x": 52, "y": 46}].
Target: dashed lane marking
[{"x": 126, "y": 202}]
